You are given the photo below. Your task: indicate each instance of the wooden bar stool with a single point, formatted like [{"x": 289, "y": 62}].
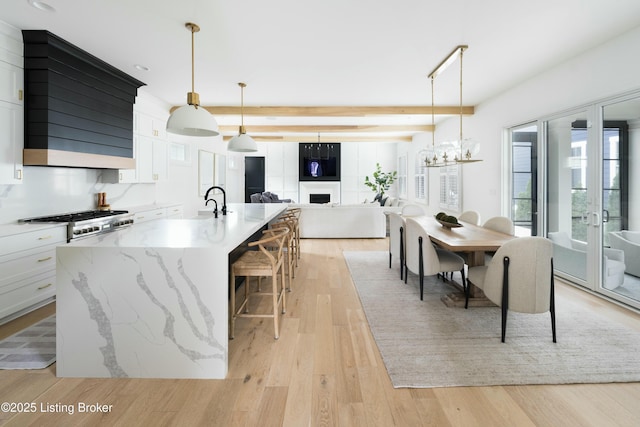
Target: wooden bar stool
[
  {"x": 261, "y": 263},
  {"x": 294, "y": 215},
  {"x": 288, "y": 248}
]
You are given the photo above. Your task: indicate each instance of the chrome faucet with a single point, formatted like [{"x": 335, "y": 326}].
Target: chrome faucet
[
  {"x": 215, "y": 211},
  {"x": 224, "y": 198}
]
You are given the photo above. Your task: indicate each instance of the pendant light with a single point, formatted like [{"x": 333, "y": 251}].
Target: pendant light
[
  {"x": 242, "y": 142},
  {"x": 191, "y": 119},
  {"x": 467, "y": 147},
  {"x": 432, "y": 156}
]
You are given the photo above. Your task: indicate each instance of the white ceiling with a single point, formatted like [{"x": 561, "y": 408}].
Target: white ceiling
[{"x": 329, "y": 52}]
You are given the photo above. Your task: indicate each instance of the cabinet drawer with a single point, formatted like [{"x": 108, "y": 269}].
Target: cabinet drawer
[
  {"x": 33, "y": 239},
  {"x": 31, "y": 292},
  {"x": 16, "y": 267},
  {"x": 149, "y": 215},
  {"x": 174, "y": 212}
]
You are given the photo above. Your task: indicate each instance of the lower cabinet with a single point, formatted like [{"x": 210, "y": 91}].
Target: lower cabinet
[
  {"x": 144, "y": 215},
  {"x": 28, "y": 265}
]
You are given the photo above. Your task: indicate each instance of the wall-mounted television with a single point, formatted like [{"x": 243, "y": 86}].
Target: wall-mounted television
[{"x": 319, "y": 161}]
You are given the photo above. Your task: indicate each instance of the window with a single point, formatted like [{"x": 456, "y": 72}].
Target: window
[
  {"x": 421, "y": 177},
  {"x": 450, "y": 188},
  {"x": 524, "y": 141},
  {"x": 402, "y": 177}
]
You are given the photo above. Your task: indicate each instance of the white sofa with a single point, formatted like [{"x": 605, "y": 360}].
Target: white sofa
[
  {"x": 367, "y": 220},
  {"x": 570, "y": 256},
  {"x": 628, "y": 242}
]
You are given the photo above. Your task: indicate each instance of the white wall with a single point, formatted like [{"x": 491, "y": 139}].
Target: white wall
[{"x": 602, "y": 72}]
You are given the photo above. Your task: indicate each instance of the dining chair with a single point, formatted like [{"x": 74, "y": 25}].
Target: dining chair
[
  {"x": 472, "y": 217},
  {"x": 519, "y": 278},
  {"x": 425, "y": 259},
  {"x": 412, "y": 210},
  {"x": 396, "y": 239},
  {"x": 260, "y": 263},
  {"x": 501, "y": 224}
]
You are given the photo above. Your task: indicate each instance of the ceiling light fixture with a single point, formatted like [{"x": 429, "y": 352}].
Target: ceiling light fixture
[
  {"x": 190, "y": 120},
  {"x": 463, "y": 149},
  {"x": 467, "y": 147},
  {"x": 242, "y": 142},
  {"x": 42, "y": 6}
]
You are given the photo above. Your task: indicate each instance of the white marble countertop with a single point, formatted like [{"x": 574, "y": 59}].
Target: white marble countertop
[{"x": 225, "y": 232}]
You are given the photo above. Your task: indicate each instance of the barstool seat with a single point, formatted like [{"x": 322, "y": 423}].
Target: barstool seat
[{"x": 267, "y": 261}]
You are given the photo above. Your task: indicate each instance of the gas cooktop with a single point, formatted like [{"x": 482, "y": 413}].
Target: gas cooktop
[{"x": 88, "y": 223}]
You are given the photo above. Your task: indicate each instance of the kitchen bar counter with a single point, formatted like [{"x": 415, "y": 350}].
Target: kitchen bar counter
[{"x": 151, "y": 301}]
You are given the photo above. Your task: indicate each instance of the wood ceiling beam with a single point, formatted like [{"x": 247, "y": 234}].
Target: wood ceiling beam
[
  {"x": 338, "y": 111},
  {"x": 328, "y": 128},
  {"x": 307, "y": 138}
]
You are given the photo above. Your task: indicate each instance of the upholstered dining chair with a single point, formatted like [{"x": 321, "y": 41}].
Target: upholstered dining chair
[
  {"x": 424, "y": 259},
  {"x": 472, "y": 217},
  {"x": 519, "y": 278},
  {"x": 412, "y": 210},
  {"x": 501, "y": 224},
  {"x": 396, "y": 239},
  {"x": 261, "y": 263}
]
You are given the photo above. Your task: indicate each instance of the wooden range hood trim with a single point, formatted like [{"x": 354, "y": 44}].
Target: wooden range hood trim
[{"x": 44, "y": 157}]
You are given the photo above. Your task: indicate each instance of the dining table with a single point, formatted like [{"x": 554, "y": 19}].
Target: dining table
[{"x": 474, "y": 242}]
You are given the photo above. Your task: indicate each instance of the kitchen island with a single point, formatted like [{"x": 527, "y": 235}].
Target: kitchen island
[{"x": 151, "y": 301}]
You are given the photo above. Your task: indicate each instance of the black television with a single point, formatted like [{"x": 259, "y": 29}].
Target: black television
[{"x": 319, "y": 161}]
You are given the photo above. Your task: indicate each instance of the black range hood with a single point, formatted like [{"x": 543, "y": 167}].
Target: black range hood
[{"x": 78, "y": 108}]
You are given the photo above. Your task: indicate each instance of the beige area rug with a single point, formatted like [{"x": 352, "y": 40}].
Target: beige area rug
[
  {"x": 426, "y": 344},
  {"x": 31, "y": 348}
]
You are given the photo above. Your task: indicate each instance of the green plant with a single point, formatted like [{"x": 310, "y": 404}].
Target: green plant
[{"x": 381, "y": 180}]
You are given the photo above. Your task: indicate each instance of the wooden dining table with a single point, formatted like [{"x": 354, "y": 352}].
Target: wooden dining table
[{"x": 472, "y": 240}]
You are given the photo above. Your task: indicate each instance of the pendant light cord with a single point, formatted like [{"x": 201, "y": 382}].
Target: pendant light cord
[
  {"x": 461, "y": 53},
  {"x": 193, "y": 61}
]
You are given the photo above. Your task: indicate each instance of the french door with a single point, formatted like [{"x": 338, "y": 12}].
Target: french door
[{"x": 591, "y": 194}]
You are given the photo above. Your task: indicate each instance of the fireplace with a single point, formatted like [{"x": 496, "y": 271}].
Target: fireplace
[
  {"x": 308, "y": 191},
  {"x": 319, "y": 198}
]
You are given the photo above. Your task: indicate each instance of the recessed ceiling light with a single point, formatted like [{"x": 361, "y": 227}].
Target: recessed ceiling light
[
  {"x": 41, "y": 5},
  {"x": 141, "y": 67}
]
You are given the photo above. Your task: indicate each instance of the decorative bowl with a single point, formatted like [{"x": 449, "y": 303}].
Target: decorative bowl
[{"x": 448, "y": 224}]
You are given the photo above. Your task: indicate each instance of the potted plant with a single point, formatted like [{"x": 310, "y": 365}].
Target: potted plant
[{"x": 381, "y": 180}]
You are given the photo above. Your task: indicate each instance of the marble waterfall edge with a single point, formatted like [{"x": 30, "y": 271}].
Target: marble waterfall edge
[{"x": 140, "y": 312}]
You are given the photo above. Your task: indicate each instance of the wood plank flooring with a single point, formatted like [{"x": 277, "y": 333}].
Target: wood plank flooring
[{"x": 325, "y": 370}]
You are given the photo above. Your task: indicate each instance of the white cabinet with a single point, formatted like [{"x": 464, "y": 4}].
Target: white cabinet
[
  {"x": 11, "y": 142},
  {"x": 152, "y": 212},
  {"x": 149, "y": 215},
  {"x": 11, "y": 106},
  {"x": 28, "y": 265},
  {"x": 150, "y": 150},
  {"x": 175, "y": 212}
]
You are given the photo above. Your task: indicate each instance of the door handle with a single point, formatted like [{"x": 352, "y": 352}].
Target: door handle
[
  {"x": 605, "y": 215},
  {"x": 596, "y": 219}
]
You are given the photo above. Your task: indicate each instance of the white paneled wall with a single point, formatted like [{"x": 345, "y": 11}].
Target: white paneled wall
[
  {"x": 281, "y": 165},
  {"x": 358, "y": 161}
]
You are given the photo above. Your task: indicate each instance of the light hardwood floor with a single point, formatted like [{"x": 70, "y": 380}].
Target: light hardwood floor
[{"x": 324, "y": 370}]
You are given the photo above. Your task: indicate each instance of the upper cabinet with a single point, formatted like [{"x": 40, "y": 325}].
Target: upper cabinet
[
  {"x": 11, "y": 105},
  {"x": 150, "y": 151}
]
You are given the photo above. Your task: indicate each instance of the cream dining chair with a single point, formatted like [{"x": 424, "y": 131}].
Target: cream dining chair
[
  {"x": 397, "y": 233},
  {"x": 519, "y": 278},
  {"x": 424, "y": 259},
  {"x": 472, "y": 217},
  {"x": 396, "y": 239},
  {"x": 501, "y": 224}
]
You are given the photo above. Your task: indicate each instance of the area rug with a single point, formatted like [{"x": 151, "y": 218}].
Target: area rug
[
  {"x": 426, "y": 344},
  {"x": 31, "y": 348}
]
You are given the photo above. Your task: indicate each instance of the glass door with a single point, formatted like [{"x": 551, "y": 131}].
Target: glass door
[
  {"x": 620, "y": 231},
  {"x": 569, "y": 200}
]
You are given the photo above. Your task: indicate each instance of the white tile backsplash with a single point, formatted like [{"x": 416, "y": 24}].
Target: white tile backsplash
[{"x": 52, "y": 190}]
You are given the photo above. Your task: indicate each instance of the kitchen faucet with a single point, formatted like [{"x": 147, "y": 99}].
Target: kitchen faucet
[
  {"x": 224, "y": 198},
  {"x": 215, "y": 211}
]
